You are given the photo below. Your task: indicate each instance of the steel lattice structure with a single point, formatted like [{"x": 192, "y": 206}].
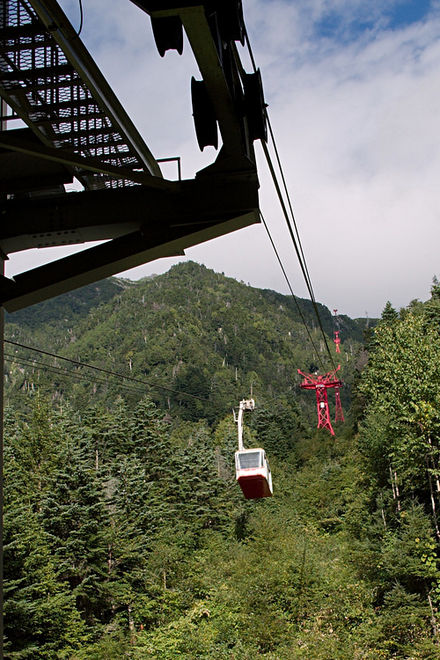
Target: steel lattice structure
[
  {"x": 339, "y": 414},
  {"x": 65, "y": 101},
  {"x": 321, "y": 384},
  {"x": 75, "y": 127}
]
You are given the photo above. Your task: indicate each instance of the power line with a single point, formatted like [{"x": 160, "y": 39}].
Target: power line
[{"x": 107, "y": 371}]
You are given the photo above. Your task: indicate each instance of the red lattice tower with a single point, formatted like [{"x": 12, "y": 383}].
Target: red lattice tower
[{"x": 321, "y": 384}]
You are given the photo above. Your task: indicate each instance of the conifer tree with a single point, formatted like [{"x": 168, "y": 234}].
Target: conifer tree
[
  {"x": 74, "y": 516},
  {"x": 41, "y": 617},
  {"x": 432, "y": 307},
  {"x": 389, "y": 314}
]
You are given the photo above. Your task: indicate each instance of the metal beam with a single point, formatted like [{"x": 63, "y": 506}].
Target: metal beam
[
  {"x": 12, "y": 142},
  {"x": 141, "y": 216},
  {"x": 108, "y": 259},
  {"x": 105, "y": 214},
  {"x": 204, "y": 49}
]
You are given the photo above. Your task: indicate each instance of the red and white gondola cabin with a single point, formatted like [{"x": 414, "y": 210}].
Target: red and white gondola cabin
[{"x": 253, "y": 473}]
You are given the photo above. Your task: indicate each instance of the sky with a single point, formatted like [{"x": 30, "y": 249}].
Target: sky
[{"x": 353, "y": 97}]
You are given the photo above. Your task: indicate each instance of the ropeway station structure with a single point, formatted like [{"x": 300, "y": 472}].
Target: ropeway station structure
[{"x": 61, "y": 121}]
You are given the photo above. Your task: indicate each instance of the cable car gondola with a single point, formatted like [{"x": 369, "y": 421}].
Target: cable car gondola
[
  {"x": 251, "y": 465},
  {"x": 253, "y": 473}
]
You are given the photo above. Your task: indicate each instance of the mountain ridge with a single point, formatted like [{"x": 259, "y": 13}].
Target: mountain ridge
[{"x": 192, "y": 330}]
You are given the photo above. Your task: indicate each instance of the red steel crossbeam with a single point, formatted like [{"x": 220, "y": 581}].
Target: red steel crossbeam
[{"x": 321, "y": 384}]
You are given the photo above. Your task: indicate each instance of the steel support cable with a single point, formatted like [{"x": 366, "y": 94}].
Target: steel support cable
[
  {"x": 291, "y": 290},
  {"x": 59, "y": 371},
  {"x": 299, "y": 252},
  {"x": 286, "y": 191},
  {"x": 286, "y": 217},
  {"x": 107, "y": 371},
  {"x": 289, "y": 203},
  {"x": 81, "y": 14}
]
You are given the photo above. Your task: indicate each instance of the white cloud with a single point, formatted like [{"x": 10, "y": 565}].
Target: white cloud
[
  {"x": 356, "y": 125},
  {"x": 357, "y": 133}
]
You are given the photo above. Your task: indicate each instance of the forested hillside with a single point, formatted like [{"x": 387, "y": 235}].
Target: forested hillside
[
  {"x": 125, "y": 532},
  {"x": 190, "y": 330},
  {"x": 50, "y": 322}
]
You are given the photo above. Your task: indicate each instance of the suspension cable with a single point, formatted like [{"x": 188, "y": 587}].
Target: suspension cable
[
  {"x": 81, "y": 20},
  {"x": 283, "y": 207},
  {"x": 291, "y": 290},
  {"x": 59, "y": 371},
  {"x": 286, "y": 191},
  {"x": 107, "y": 371},
  {"x": 296, "y": 243}
]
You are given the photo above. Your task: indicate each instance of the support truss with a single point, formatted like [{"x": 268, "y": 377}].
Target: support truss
[{"x": 321, "y": 384}]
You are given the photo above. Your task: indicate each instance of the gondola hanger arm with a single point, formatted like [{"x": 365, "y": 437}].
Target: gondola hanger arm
[{"x": 245, "y": 404}]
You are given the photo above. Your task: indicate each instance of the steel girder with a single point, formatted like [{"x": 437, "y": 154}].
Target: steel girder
[{"x": 76, "y": 127}]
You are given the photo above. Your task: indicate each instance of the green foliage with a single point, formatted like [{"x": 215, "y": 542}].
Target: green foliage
[
  {"x": 399, "y": 440},
  {"x": 389, "y": 314},
  {"x": 432, "y": 307},
  {"x": 278, "y": 427},
  {"x": 190, "y": 330},
  {"x": 125, "y": 532},
  {"x": 41, "y": 616}
]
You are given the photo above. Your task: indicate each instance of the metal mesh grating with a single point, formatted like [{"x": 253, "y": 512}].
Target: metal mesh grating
[{"x": 45, "y": 90}]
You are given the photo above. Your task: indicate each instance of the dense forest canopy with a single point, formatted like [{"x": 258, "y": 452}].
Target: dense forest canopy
[{"x": 125, "y": 532}]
